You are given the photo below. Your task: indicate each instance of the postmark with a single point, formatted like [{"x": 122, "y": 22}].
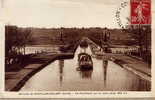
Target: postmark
[{"x": 118, "y": 13}]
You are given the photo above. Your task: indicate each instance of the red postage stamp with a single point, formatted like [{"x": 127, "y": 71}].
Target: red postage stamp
[{"x": 140, "y": 11}]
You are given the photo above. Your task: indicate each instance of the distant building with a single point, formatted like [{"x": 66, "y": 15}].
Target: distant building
[{"x": 124, "y": 50}]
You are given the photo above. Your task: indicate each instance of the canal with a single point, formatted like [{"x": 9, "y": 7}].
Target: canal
[{"x": 61, "y": 75}]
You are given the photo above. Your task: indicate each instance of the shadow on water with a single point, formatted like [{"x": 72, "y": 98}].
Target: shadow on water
[
  {"x": 144, "y": 85},
  {"x": 86, "y": 74},
  {"x": 105, "y": 66},
  {"x": 61, "y": 66}
]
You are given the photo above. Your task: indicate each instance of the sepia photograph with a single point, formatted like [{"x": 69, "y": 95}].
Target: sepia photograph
[{"x": 77, "y": 45}]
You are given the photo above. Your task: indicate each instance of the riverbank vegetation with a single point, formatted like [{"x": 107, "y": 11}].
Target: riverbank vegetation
[{"x": 15, "y": 43}]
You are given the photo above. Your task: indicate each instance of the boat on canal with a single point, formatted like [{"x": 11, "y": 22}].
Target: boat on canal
[
  {"x": 85, "y": 61},
  {"x": 83, "y": 44}
]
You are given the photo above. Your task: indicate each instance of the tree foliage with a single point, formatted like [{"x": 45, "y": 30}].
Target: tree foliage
[{"x": 15, "y": 42}]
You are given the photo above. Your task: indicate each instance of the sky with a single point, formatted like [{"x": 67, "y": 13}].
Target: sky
[{"x": 63, "y": 13}]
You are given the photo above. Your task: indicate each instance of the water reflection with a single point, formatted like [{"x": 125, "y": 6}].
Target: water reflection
[
  {"x": 144, "y": 85},
  {"x": 61, "y": 66},
  {"x": 104, "y": 66},
  {"x": 61, "y": 75},
  {"x": 86, "y": 74}
]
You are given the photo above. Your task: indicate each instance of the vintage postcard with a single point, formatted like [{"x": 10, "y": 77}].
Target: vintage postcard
[{"x": 77, "y": 48}]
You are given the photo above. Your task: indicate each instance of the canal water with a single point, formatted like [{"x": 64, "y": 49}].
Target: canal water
[{"x": 61, "y": 75}]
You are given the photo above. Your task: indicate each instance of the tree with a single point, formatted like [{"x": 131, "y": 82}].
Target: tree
[
  {"x": 15, "y": 39},
  {"x": 142, "y": 36},
  {"x": 25, "y": 36}
]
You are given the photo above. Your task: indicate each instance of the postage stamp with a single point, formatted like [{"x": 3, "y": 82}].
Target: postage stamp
[{"x": 140, "y": 11}]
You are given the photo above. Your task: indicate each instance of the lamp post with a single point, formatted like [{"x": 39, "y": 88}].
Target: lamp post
[
  {"x": 61, "y": 35},
  {"x": 145, "y": 31},
  {"x": 106, "y": 37},
  {"x": 140, "y": 41},
  {"x": 145, "y": 34}
]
